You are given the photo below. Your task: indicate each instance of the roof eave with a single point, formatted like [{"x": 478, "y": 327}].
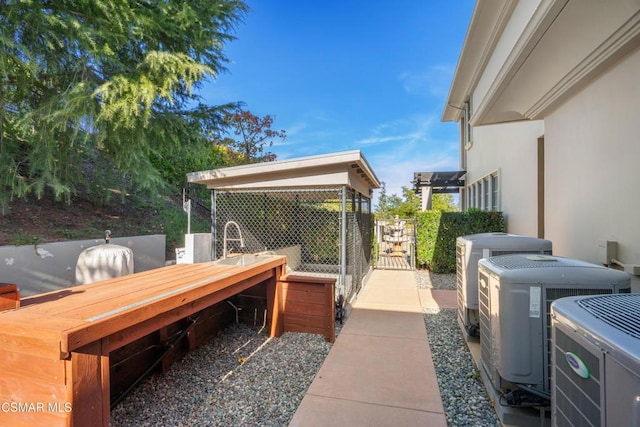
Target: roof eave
[
  {"x": 488, "y": 20},
  {"x": 286, "y": 172}
]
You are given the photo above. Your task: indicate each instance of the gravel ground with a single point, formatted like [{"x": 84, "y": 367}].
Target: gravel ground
[
  {"x": 464, "y": 397},
  {"x": 426, "y": 279},
  {"x": 243, "y": 378}
]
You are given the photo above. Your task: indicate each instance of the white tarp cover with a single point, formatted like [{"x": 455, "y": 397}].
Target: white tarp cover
[{"x": 103, "y": 262}]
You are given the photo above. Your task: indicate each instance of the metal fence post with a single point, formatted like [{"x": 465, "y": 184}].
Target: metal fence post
[{"x": 343, "y": 242}]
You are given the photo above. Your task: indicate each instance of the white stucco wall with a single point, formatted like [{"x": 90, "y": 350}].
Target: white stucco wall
[
  {"x": 510, "y": 149},
  {"x": 593, "y": 167}
]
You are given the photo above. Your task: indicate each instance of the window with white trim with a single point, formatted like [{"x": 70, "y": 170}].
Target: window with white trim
[
  {"x": 466, "y": 140},
  {"x": 484, "y": 193},
  {"x": 463, "y": 144},
  {"x": 467, "y": 120},
  {"x": 495, "y": 193},
  {"x": 476, "y": 195}
]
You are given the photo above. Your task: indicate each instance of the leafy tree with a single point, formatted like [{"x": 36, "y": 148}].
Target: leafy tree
[
  {"x": 409, "y": 204},
  {"x": 92, "y": 90},
  {"x": 443, "y": 202},
  {"x": 387, "y": 205},
  {"x": 252, "y": 135},
  {"x": 180, "y": 156}
]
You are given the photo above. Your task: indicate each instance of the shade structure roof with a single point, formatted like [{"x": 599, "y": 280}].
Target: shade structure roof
[
  {"x": 348, "y": 168},
  {"x": 441, "y": 182}
]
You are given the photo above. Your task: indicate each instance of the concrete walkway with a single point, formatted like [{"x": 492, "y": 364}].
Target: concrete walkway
[{"x": 379, "y": 371}]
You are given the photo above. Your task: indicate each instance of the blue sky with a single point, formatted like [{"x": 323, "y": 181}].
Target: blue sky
[{"x": 351, "y": 75}]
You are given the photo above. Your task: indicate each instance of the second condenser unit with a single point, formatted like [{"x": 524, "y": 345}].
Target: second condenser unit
[
  {"x": 596, "y": 361},
  {"x": 515, "y": 296},
  {"x": 469, "y": 250}
]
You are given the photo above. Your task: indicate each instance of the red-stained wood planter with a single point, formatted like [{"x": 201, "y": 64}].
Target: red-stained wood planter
[
  {"x": 9, "y": 296},
  {"x": 308, "y": 305}
]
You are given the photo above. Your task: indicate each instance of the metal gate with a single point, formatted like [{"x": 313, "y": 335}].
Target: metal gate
[{"x": 396, "y": 244}]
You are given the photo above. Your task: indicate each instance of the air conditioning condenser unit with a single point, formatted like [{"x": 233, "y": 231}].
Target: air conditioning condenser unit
[
  {"x": 596, "y": 361},
  {"x": 469, "y": 250},
  {"x": 515, "y": 296}
]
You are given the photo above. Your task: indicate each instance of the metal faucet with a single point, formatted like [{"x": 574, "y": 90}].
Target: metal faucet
[{"x": 225, "y": 239}]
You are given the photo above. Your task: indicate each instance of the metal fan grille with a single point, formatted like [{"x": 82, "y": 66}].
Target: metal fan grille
[
  {"x": 517, "y": 261},
  {"x": 622, "y": 311}
]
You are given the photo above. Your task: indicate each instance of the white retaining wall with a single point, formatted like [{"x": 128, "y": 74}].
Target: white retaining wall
[{"x": 52, "y": 266}]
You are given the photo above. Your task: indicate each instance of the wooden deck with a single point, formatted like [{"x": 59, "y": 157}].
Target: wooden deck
[
  {"x": 391, "y": 262},
  {"x": 55, "y": 348}
]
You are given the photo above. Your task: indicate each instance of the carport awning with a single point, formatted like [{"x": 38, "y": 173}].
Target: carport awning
[{"x": 440, "y": 182}]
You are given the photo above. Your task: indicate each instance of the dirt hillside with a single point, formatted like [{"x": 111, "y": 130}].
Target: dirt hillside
[{"x": 39, "y": 221}]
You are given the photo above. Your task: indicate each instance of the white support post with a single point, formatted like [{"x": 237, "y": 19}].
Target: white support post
[
  {"x": 426, "y": 198},
  {"x": 343, "y": 243}
]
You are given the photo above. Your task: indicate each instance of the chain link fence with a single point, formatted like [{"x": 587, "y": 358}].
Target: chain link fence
[{"x": 323, "y": 232}]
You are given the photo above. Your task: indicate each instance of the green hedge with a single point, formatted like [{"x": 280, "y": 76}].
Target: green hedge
[{"x": 437, "y": 232}]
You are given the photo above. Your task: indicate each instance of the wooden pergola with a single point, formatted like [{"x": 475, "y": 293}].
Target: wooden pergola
[{"x": 425, "y": 184}]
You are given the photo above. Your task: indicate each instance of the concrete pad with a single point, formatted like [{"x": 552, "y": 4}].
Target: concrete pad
[
  {"x": 389, "y": 295},
  {"x": 324, "y": 411},
  {"x": 379, "y": 371},
  {"x": 390, "y": 290},
  {"x": 438, "y": 299},
  {"x": 445, "y": 298},
  {"x": 391, "y": 278},
  {"x": 392, "y": 284},
  {"x": 395, "y": 372},
  {"x": 390, "y": 307},
  {"x": 385, "y": 324},
  {"x": 475, "y": 350}
]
